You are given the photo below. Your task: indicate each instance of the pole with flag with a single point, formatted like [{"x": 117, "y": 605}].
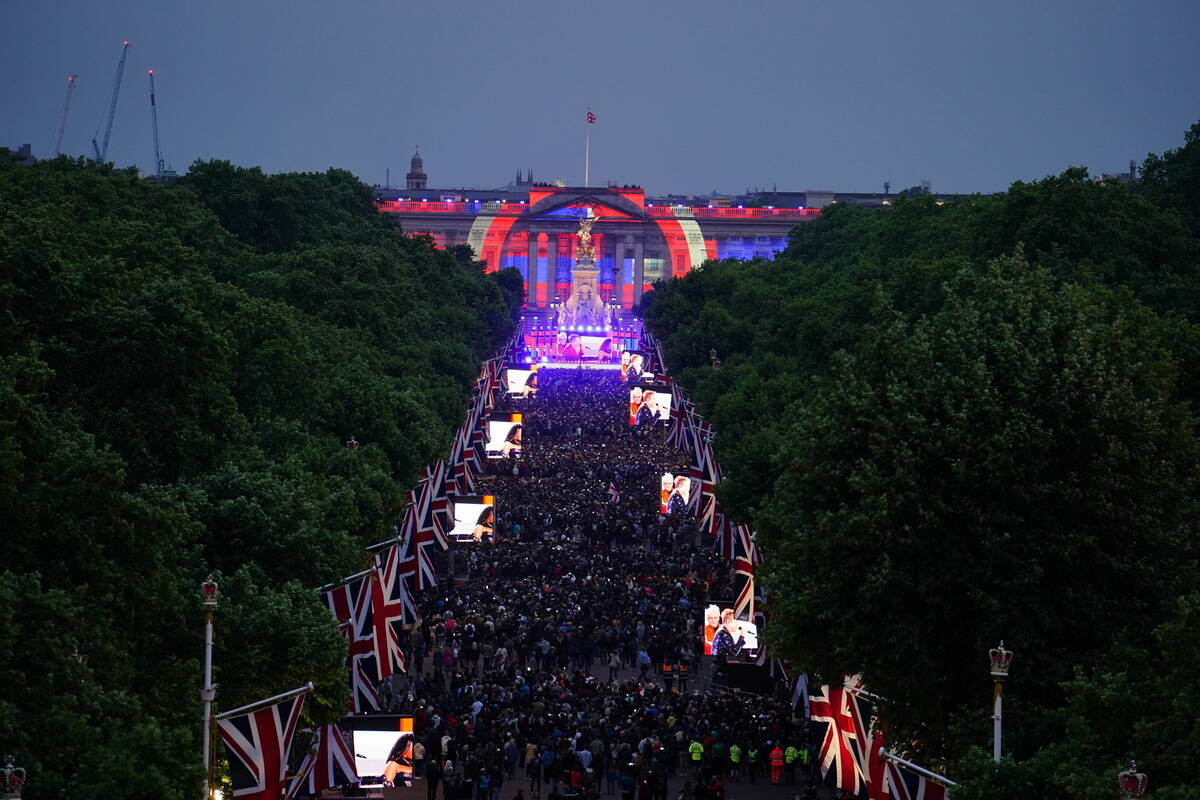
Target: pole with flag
[{"x": 587, "y": 144}]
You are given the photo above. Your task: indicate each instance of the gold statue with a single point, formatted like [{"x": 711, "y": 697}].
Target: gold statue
[{"x": 585, "y": 251}]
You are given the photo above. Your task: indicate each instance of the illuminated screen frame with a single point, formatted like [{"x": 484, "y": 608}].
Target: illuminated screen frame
[
  {"x": 660, "y": 402},
  {"x": 745, "y": 628},
  {"x": 633, "y": 361},
  {"x": 517, "y": 380},
  {"x": 499, "y": 427},
  {"x": 371, "y": 740},
  {"x": 666, "y": 487},
  {"x": 468, "y": 511}
]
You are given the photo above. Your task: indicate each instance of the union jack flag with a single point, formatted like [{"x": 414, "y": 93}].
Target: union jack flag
[
  {"x": 364, "y": 675},
  {"x": 439, "y": 503},
  {"x": 413, "y": 564},
  {"x": 904, "y": 785},
  {"x": 613, "y": 495},
  {"x": 839, "y": 764},
  {"x": 257, "y": 744},
  {"x": 328, "y": 764},
  {"x": 850, "y": 750},
  {"x": 341, "y": 600},
  {"x": 429, "y": 525},
  {"x": 591, "y": 118}
]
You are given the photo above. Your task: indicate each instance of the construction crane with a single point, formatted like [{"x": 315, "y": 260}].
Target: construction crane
[
  {"x": 101, "y": 152},
  {"x": 158, "y": 162},
  {"x": 62, "y": 122}
]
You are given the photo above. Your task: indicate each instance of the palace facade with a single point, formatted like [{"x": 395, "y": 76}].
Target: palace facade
[{"x": 533, "y": 228}]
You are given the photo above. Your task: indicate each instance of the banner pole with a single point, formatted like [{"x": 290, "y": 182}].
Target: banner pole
[
  {"x": 308, "y": 687},
  {"x": 355, "y": 576},
  {"x": 933, "y": 776}
]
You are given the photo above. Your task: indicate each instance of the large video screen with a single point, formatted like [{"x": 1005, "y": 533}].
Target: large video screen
[
  {"x": 674, "y": 493},
  {"x": 384, "y": 754},
  {"x": 474, "y": 518},
  {"x": 521, "y": 382},
  {"x": 743, "y": 629},
  {"x": 649, "y": 406},
  {"x": 582, "y": 346},
  {"x": 504, "y": 435},
  {"x": 633, "y": 365}
]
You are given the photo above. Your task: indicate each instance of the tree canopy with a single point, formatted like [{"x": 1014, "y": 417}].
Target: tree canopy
[
  {"x": 955, "y": 423},
  {"x": 180, "y": 366}
]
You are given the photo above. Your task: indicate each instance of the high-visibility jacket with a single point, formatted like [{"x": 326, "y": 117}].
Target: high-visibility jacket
[
  {"x": 791, "y": 754},
  {"x": 752, "y": 755},
  {"x": 777, "y": 757},
  {"x": 697, "y": 751},
  {"x": 735, "y": 754}
]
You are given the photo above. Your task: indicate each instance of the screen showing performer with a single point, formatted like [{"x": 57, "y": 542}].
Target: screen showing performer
[
  {"x": 648, "y": 406},
  {"x": 740, "y": 639},
  {"x": 521, "y": 382},
  {"x": 674, "y": 493},
  {"x": 384, "y": 758},
  {"x": 504, "y": 436},
  {"x": 474, "y": 518},
  {"x": 633, "y": 365}
]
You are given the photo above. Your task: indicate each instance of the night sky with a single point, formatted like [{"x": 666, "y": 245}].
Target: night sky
[{"x": 690, "y": 96}]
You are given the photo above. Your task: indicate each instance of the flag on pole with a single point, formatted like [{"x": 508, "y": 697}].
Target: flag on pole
[
  {"x": 591, "y": 118},
  {"x": 905, "y": 785},
  {"x": 328, "y": 764},
  {"x": 613, "y": 495},
  {"x": 257, "y": 744}
]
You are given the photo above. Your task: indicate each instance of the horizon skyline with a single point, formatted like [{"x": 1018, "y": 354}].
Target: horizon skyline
[{"x": 690, "y": 97}]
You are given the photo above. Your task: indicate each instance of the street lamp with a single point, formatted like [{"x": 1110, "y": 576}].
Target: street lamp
[
  {"x": 1132, "y": 783},
  {"x": 208, "y": 601},
  {"x": 14, "y": 779},
  {"x": 1001, "y": 660}
]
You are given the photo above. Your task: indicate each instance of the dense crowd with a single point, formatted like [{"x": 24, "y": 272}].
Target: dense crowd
[{"x": 566, "y": 660}]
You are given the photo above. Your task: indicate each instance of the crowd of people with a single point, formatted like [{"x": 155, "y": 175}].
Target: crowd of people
[{"x": 566, "y": 660}]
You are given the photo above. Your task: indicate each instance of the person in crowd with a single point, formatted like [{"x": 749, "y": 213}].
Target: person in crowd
[
  {"x": 485, "y": 525},
  {"x": 579, "y": 584}
]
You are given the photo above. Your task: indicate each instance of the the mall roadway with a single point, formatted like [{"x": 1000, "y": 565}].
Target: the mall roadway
[{"x": 733, "y": 791}]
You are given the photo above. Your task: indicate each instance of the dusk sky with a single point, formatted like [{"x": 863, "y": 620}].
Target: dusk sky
[{"x": 690, "y": 96}]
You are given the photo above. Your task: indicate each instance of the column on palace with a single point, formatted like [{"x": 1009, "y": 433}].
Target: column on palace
[
  {"x": 639, "y": 271},
  {"x": 552, "y": 260},
  {"x": 533, "y": 271}
]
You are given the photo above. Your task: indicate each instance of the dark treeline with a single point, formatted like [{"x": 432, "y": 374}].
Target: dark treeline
[
  {"x": 955, "y": 424},
  {"x": 180, "y": 367}
]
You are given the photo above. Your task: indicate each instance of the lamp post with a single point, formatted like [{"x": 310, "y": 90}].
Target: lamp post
[
  {"x": 1132, "y": 783},
  {"x": 14, "y": 779},
  {"x": 1001, "y": 660},
  {"x": 208, "y": 601}
]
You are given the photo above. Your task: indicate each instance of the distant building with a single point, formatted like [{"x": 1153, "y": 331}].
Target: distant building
[
  {"x": 416, "y": 177},
  {"x": 638, "y": 239},
  {"x": 25, "y": 152}
]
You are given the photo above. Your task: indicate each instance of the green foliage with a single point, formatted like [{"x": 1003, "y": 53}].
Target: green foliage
[
  {"x": 958, "y": 423},
  {"x": 1172, "y": 180},
  {"x": 179, "y": 369}
]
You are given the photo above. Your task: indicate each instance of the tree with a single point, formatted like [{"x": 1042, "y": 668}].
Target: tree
[
  {"x": 1014, "y": 466},
  {"x": 1172, "y": 180}
]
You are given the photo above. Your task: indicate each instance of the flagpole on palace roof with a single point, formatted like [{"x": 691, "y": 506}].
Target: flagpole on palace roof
[
  {"x": 308, "y": 687},
  {"x": 587, "y": 144}
]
